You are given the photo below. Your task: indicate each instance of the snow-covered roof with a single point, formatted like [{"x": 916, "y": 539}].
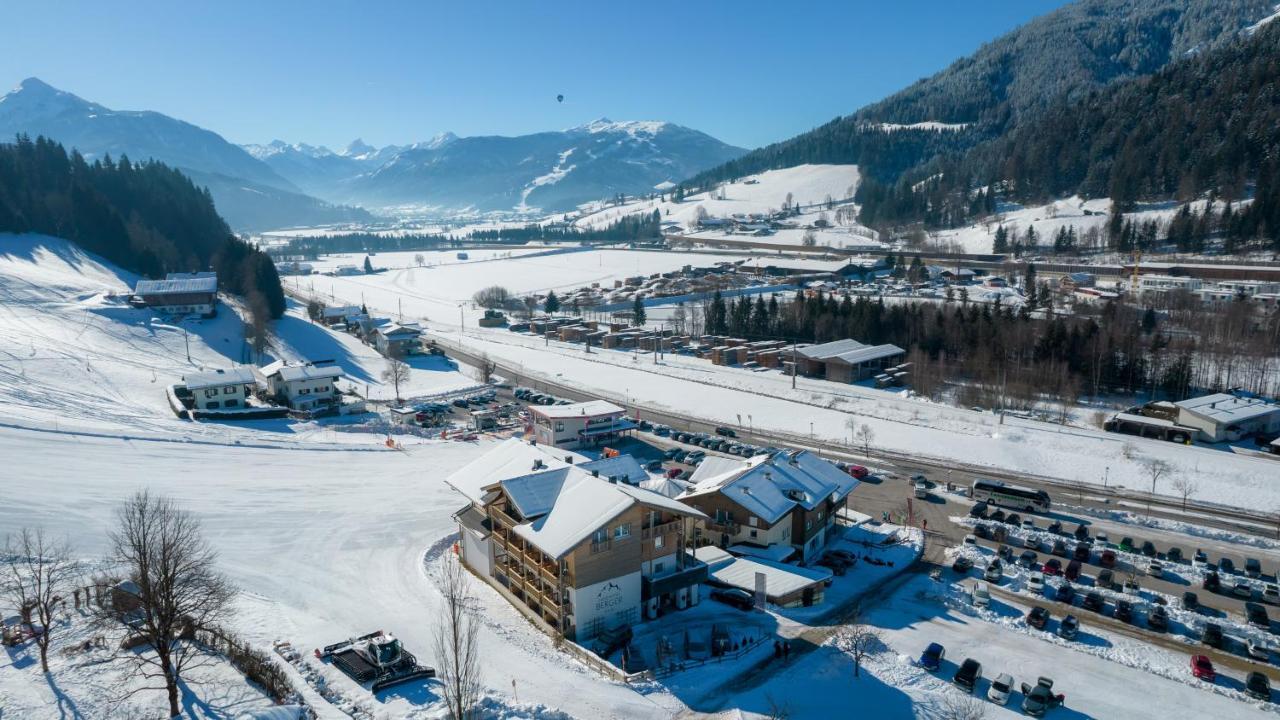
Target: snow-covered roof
[
  {"x": 218, "y": 378},
  {"x": 394, "y": 328},
  {"x": 777, "y": 552},
  {"x": 665, "y": 486},
  {"x": 340, "y": 312},
  {"x": 769, "y": 488},
  {"x": 867, "y": 354},
  {"x": 513, "y": 458},
  {"x": 291, "y": 372},
  {"x": 591, "y": 408},
  {"x": 830, "y": 349},
  {"x": 621, "y": 467},
  {"x": 1224, "y": 408},
  {"x": 178, "y": 286},
  {"x": 780, "y": 579}
]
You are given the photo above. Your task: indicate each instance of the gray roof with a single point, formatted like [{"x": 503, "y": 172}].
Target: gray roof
[
  {"x": 203, "y": 284},
  {"x": 771, "y": 487},
  {"x": 289, "y": 373},
  {"x": 218, "y": 378},
  {"x": 866, "y": 354},
  {"x": 830, "y": 349},
  {"x": 1224, "y": 408}
]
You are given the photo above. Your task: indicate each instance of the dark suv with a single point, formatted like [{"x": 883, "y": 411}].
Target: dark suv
[{"x": 968, "y": 675}]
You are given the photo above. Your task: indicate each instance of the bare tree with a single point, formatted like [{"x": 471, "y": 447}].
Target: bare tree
[
  {"x": 866, "y": 436},
  {"x": 1156, "y": 469},
  {"x": 176, "y": 589},
  {"x": 397, "y": 370},
  {"x": 778, "y": 709},
  {"x": 1185, "y": 487},
  {"x": 494, "y": 297},
  {"x": 959, "y": 706},
  {"x": 35, "y": 578},
  {"x": 457, "y": 646},
  {"x": 419, "y": 259},
  {"x": 858, "y": 640},
  {"x": 809, "y": 239}
]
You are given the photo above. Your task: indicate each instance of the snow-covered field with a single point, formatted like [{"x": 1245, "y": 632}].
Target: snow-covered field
[{"x": 408, "y": 259}]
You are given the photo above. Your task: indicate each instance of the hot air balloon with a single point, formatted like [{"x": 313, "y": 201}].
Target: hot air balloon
[{"x": 559, "y": 98}]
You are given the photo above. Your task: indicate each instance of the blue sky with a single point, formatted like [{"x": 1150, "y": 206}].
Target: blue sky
[{"x": 392, "y": 72}]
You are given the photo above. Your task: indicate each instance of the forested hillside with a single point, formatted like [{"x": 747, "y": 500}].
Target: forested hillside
[
  {"x": 145, "y": 217},
  {"x": 1210, "y": 122},
  {"x": 1060, "y": 57}
]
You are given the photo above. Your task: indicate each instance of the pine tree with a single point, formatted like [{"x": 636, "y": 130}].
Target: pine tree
[
  {"x": 368, "y": 265},
  {"x": 552, "y": 303},
  {"x": 637, "y": 310}
]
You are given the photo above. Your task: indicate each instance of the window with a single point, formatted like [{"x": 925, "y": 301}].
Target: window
[
  {"x": 559, "y": 426},
  {"x": 600, "y": 536},
  {"x": 657, "y": 543},
  {"x": 229, "y": 390},
  {"x": 653, "y": 518},
  {"x": 212, "y": 404},
  {"x": 753, "y": 533},
  {"x": 658, "y": 568},
  {"x": 808, "y": 523},
  {"x": 211, "y": 392},
  {"x": 724, "y": 517},
  {"x": 752, "y": 522},
  {"x": 622, "y": 532}
]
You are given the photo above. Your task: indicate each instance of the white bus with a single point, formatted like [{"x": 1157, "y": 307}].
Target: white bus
[{"x": 1020, "y": 498}]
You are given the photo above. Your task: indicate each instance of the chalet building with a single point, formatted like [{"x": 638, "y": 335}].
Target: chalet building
[
  {"x": 180, "y": 294},
  {"x": 847, "y": 361},
  {"x": 578, "y": 425},
  {"x": 1076, "y": 281},
  {"x": 574, "y": 551},
  {"x": 786, "y": 504},
  {"x": 404, "y": 339},
  {"x": 221, "y": 389},
  {"x": 300, "y": 386}
]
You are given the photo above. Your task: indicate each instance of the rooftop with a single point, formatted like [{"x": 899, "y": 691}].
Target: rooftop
[
  {"x": 740, "y": 572},
  {"x": 769, "y": 488},
  {"x": 591, "y": 408},
  {"x": 218, "y": 378},
  {"x": 303, "y": 371},
  {"x": 1224, "y": 408},
  {"x": 178, "y": 285}
]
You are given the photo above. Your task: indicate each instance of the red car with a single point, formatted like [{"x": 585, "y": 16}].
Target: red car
[
  {"x": 1052, "y": 566},
  {"x": 1202, "y": 668},
  {"x": 1107, "y": 558},
  {"x": 675, "y": 473},
  {"x": 858, "y": 471}
]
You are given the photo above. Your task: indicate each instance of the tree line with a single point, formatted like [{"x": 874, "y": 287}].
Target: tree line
[{"x": 145, "y": 217}]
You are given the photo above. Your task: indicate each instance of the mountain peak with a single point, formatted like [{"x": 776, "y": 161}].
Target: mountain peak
[
  {"x": 630, "y": 127},
  {"x": 358, "y": 147},
  {"x": 35, "y": 84}
]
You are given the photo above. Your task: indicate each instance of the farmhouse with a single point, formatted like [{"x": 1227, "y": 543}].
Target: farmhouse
[
  {"x": 300, "y": 386},
  {"x": 787, "y": 503},
  {"x": 180, "y": 294},
  {"x": 574, "y": 551},
  {"x": 847, "y": 360},
  {"x": 1226, "y": 418},
  {"x": 584, "y": 424},
  {"x": 221, "y": 389},
  {"x": 339, "y": 314}
]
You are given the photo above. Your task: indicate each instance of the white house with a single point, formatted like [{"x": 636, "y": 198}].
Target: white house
[
  {"x": 584, "y": 424},
  {"x": 405, "y": 338},
  {"x": 221, "y": 389},
  {"x": 1148, "y": 284},
  {"x": 337, "y": 314},
  {"x": 1226, "y": 418},
  {"x": 300, "y": 386}
]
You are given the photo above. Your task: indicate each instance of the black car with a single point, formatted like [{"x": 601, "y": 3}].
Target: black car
[
  {"x": 1066, "y": 593},
  {"x": 1173, "y": 555},
  {"x": 1149, "y": 548},
  {"x": 1252, "y": 567},
  {"x": 1094, "y": 602},
  {"x": 979, "y": 510},
  {"x": 982, "y": 531},
  {"x": 736, "y": 597},
  {"x": 1257, "y": 686},
  {"x": 1027, "y": 559},
  {"x": 1013, "y": 519},
  {"x": 1158, "y": 619},
  {"x": 1226, "y": 567},
  {"x": 1038, "y": 617},
  {"x": 1069, "y": 628},
  {"x": 1212, "y": 635},
  {"x": 1081, "y": 552},
  {"x": 654, "y": 466},
  {"x": 727, "y": 432},
  {"x": 1124, "y": 611},
  {"x": 1106, "y": 578},
  {"x": 1082, "y": 532},
  {"x": 1190, "y": 601},
  {"x": 1211, "y": 582},
  {"x": 670, "y": 453},
  {"x": 997, "y": 516},
  {"x": 962, "y": 565},
  {"x": 645, "y": 425},
  {"x": 1059, "y": 548},
  {"x": 1257, "y": 615},
  {"x": 1055, "y": 527},
  {"x": 968, "y": 675}
]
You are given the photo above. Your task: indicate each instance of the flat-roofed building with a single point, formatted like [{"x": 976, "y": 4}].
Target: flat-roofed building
[{"x": 578, "y": 425}]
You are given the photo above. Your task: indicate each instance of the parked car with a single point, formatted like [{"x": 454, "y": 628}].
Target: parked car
[
  {"x": 670, "y": 453},
  {"x": 1081, "y": 532},
  {"x": 1124, "y": 611},
  {"x": 1028, "y": 524},
  {"x": 1059, "y": 548},
  {"x": 695, "y": 456},
  {"x": 735, "y": 597},
  {"x": 1094, "y": 602},
  {"x": 662, "y": 431},
  {"x": 675, "y": 473},
  {"x": 1105, "y": 579},
  {"x": 859, "y": 472},
  {"x": 1072, "y": 572},
  {"x": 996, "y": 515},
  {"x": 727, "y": 432},
  {"x": 1052, "y": 566},
  {"x": 1226, "y": 566},
  {"x": 931, "y": 658},
  {"x": 1038, "y": 700},
  {"x": 1035, "y": 582},
  {"x": 982, "y": 530},
  {"x": 1027, "y": 559},
  {"x": 1258, "y": 686},
  {"x": 1242, "y": 589},
  {"x": 1199, "y": 559},
  {"x": 994, "y": 572},
  {"x": 1158, "y": 619},
  {"x": 1210, "y": 581},
  {"x": 1271, "y": 593},
  {"x": 981, "y": 595},
  {"x": 1000, "y": 688},
  {"x": 1252, "y": 567},
  {"x": 1190, "y": 601},
  {"x": 1155, "y": 569},
  {"x": 1081, "y": 552},
  {"x": 1066, "y": 593},
  {"x": 1211, "y": 635},
  {"x": 1149, "y": 548},
  {"x": 1013, "y": 519},
  {"x": 1005, "y": 553},
  {"x": 1258, "y": 650},
  {"x": 654, "y": 466},
  {"x": 1055, "y": 527},
  {"x": 1107, "y": 559},
  {"x": 971, "y": 539},
  {"x": 1038, "y": 617},
  {"x": 1257, "y": 615},
  {"x": 962, "y": 565},
  {"x": 1202, "y": 668},
  {"x": 1173, "y": 555},
  {"x": 968, "y": 674},
  {"x": 1069, "y": 628},
  {"x": 979, "y": 510}
]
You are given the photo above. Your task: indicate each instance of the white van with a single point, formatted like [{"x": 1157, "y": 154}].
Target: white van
[
  {"x": 981, "y": 595},
  {"x": 922, "y": 489}
]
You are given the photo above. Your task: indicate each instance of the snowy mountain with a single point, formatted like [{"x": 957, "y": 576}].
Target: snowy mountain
[
  {"x": 247, "y": 191},
  {"x": 548, "y": 171}
]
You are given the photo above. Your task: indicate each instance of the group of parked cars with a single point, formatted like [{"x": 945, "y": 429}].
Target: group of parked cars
[
  {"x": 534, "y": 397},
  {"x": 1036, "y": 700},
  {"x": 725, "y": 440}
]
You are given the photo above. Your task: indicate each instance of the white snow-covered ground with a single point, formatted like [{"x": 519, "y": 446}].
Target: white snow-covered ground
[{"x": 408, "y": 259}]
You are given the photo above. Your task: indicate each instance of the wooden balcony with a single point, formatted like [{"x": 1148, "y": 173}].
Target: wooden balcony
[{"x": 659, "y": 530}]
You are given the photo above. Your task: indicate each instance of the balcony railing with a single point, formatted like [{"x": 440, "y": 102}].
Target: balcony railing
[
  {"x": 659, "y": 530},
  {"x": 694, "y": 571}
]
